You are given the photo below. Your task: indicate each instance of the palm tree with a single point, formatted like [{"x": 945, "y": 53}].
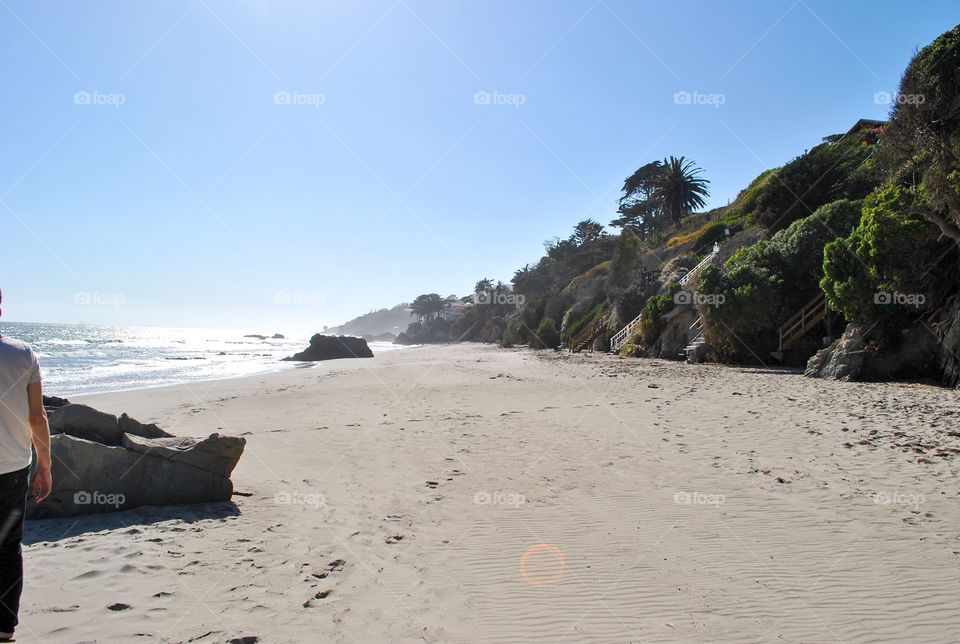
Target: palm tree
[{"x": 680, "y": 190}]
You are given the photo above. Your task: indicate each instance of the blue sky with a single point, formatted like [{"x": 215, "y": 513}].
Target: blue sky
[{"x": 286, "y": 165}]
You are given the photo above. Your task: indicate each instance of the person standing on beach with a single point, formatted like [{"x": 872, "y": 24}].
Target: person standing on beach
[{"x": 23, "y": 424}]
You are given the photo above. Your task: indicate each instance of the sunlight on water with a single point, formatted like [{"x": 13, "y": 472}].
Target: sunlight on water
[{"x": 81, "y": 359}]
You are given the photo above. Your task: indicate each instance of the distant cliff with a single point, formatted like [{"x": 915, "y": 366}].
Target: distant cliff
[{"x": 375, "y": 323}]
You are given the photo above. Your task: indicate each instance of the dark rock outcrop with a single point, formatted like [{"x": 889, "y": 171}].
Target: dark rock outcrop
[
  {"x": 53, "y": 402},
  {"x": 87, "y": 423},
  {"x": 217, "y": 454},
  {"x": 843, "y": 359},
  {"x": 131, "y": 426},
  {"x": 854, "y": 357},
  {"x": 105, "y": 464},
  {"x": 92, "y": 478},
  {"x": 946, "y": 329},
  {"x": 329, "y": 347}
]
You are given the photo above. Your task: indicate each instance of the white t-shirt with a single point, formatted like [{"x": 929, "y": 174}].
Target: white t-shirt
[{"x": 18, "y": 368}]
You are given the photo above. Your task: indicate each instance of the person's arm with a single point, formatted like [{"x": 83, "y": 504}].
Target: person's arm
[{"x": 40, "y": 431}]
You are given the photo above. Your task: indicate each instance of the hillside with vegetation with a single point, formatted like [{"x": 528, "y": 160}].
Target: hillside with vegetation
[
  {"x": 843, "y": 260},
  {"x": 382, "y": 324}
]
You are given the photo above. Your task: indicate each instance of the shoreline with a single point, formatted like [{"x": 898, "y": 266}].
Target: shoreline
[
  {"x": 465, "y": 493},
  {"x": 294, "y": 366},
  {"x": 185, "y": 383}
]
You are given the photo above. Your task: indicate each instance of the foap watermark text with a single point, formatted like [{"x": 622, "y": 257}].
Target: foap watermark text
[
  {"x": 684, "y": 97},
  {"x": 698, "y": 498},
  {"x": 499, "y": 497},
  {"x": 483, "y": 97}
]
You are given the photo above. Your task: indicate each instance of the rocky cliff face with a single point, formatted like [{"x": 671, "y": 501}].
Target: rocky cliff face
[
  {"x": 675, "y": 335},
  {"x": 946, "y": 330},
  {"x": 843, "y": 359},
  {"x": 928, "y": 349}
]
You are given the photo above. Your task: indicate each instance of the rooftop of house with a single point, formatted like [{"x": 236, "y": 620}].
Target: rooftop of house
[{"x": 865, "y": 123}]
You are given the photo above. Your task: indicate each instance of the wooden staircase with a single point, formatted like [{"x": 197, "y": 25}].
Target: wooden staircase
[
  {"x": 802, "y": 322},
  {"x": 621, "y": 337},
  {"x": 589, "y": 333}
]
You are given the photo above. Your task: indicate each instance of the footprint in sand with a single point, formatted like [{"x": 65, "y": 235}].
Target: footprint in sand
[
  {"x": 56, "y": 609},
  {"x": 334, "y": 566}
]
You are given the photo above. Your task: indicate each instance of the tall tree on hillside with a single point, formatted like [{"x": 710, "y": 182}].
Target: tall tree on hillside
[
  {"x": 483, "y": 286},
  {"x": 922, "y": 144},
  {"x": 586, "y": 231},
  {"x": 680, "y": 190},
  {"x": 427, "y": 307},
  {"x": 534, "y": 280},
  {"x": 638, "y": 211}
]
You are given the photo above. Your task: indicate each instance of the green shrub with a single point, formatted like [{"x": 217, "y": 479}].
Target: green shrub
[
  {"x": 895, "y": 249},
  {"x": 630, "y": 350},
  {"x": 514, "y": 333},
  {"x": 826, "y": 173},
  {"x": 530, "y": 318},
  {"x": 652, "y": 325},
  {"x": 587, "y": 319},
  {"x": 715, "y": 232},
  {"x": 633, "y": 300},
  {"x": 764, "y": 284},
  {"x": 547, "y": 336},
  {"x": 746, "y": 201},
  {"x": 625, "y": 259}
]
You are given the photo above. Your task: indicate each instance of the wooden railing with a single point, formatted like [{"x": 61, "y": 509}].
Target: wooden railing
[
  {"x": 802, "y": 321},
  {"x": 590, "y": 332},
  {"x": 695, "y": 339},
  {"x": 696, "y": 269},
  {"x": 697, "y": 328},
  {"x": 620, "y": 337}
]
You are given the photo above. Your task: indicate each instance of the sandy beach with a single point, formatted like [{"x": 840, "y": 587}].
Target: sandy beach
[{"x": 465, "y": 493}]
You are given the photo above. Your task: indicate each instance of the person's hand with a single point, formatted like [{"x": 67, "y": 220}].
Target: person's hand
[{"x": 42, "y": 483}]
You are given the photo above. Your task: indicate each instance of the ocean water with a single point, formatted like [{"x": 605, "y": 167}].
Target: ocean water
[{"x": 81, "y": 359}]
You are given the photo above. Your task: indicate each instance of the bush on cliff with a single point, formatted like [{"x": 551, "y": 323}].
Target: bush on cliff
[
  {"x": 625, "y": 264},
  {"x": 652, "y": 325},
  {"x": 888, "y": 270},
  {"x": 762, "y": 285},
  {"x": 835, "y": 169},
  {"x": 547, "y": 336}
]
